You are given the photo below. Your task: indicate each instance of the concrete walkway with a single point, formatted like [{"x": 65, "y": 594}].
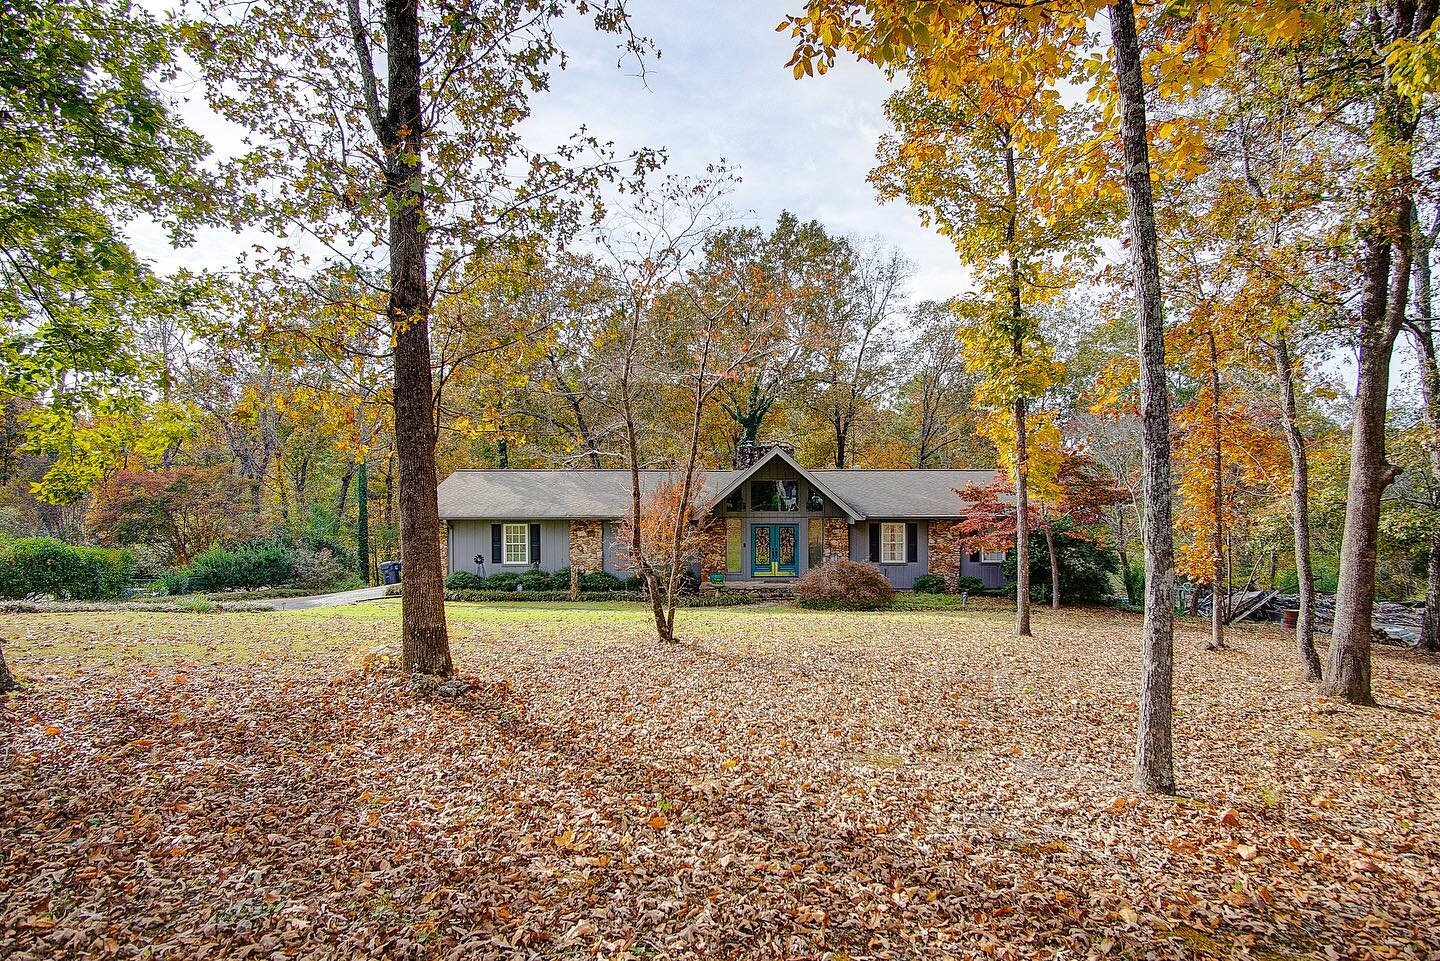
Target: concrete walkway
[{"x": 316, "y": 600}]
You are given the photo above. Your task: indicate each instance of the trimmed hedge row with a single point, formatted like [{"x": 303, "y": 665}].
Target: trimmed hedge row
[
  {"x": 590, "y": 583},
  {"x": 32, "y": 566}
]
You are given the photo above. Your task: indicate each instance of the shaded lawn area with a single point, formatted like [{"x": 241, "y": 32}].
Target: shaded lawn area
[{"x": 788, "y": 784}]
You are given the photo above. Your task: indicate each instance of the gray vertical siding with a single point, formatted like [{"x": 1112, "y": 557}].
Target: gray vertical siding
[
  {"x": 991, "y": 575},
  {"x": 902, "y": 576},
  {"x": 611, "y": 553},
  {"x": 468, "y": 538}
]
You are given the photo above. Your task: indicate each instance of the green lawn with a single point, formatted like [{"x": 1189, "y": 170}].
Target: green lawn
[{"x": 913, "y": 783}]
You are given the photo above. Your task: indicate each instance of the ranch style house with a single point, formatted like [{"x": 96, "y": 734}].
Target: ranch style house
[{"x": 774, "y": 520}]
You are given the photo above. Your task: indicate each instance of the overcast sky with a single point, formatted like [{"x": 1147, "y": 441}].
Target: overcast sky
[{"x": 718, "y": 90}]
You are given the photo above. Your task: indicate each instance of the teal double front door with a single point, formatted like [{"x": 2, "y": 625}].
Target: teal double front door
[{"x": 774, "y": 550}]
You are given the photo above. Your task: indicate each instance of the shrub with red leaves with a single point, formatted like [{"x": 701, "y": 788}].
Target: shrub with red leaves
[{"x": 841, "y": 585}]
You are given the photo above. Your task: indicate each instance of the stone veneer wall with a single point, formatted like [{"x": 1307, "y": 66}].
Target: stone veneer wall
[
  {"x": 837, "y": 538},
  {"x": 585, "y": 545},
  {"x": 946, "y": 550},
  {"x": 445, "y": 547}
]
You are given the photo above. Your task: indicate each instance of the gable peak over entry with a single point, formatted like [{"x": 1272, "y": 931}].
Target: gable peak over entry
[{"x": 785, "y": 453}]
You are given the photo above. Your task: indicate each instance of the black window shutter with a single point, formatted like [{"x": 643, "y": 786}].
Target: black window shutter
[
  {"x": 495, "y": 540},
  {"x": 912, "y": 543},
  {"x": 875, "y": 543},
  {"x": 534, "y": 543}
]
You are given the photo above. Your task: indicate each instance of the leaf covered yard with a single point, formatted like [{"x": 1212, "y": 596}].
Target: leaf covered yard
[{"x": 908, "y": 784}]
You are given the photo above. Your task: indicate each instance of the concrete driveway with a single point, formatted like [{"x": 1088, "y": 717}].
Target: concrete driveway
[{"x": 316, "y": 600}]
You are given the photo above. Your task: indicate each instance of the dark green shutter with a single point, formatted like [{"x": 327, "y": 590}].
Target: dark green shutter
[
  {"x": 496, "y": 541},
  {"x": 875, "y": 543},
  {"x": 534, "y": 543},
  {"x": 912, "y": 543}
]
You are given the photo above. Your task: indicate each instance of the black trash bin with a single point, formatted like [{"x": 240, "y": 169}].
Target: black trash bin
[{"x": 389, "y": 572}]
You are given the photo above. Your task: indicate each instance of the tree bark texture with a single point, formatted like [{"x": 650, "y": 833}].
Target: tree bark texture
[
  {"x": 1383, "y": 295},
  {"x": 1299, "y": 512},
  {"x": 425, "y": 642},
  {"x": 1154, "y": 750}
]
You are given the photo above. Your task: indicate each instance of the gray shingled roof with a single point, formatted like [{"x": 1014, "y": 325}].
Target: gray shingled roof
[
  {"x": 904, "y": 493},
  {"x": 605, "y": 494},
  {"x": 548, "y": 494}
]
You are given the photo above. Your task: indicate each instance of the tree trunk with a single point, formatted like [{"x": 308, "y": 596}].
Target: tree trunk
[
  {"x": 342, "y": 498},
  {"x": 1054, "y": 568},
  {"x": 841, "y": 431},
  {"x": 7, "y": 680},
  {"x": 1423, "y": 331},
  {"x": 1154, "y": 749},
  {"x": 362, "y": 522},
  {"x": 1217, "y": 481},
  {"x": 1022, "y": 460},
  {"x": 1383, "y": 295},
  {"x": 1299, "y": 513},
  {"x": 426, "y": 645}
]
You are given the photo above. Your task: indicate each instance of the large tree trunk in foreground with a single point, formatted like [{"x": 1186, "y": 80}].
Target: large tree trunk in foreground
[
  {"x": 426, "y": 646},
  {"x": 7, "y": 680},
  {"x": 1382, "y": 307},
  {"x": 1299, "y": 513},
  {"x": 1154, "y": 750}
]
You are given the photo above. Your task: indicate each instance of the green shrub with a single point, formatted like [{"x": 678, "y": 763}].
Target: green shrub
[
  {"x": 593, "y": 582},
  {"x": 1088, "y": 565},
  {"x": 102, "y": 573},
  {"x": 464, "y": 581},
  {"x": 503, "y": 581},
  {"x": 968, "y": 584},
  {"x": 1134, "y": 578},
  {"x": 632, "y": 583},
  {"x": 929, "y": 584},
  {"x": 176, "y": 581},
  {"x": 263, "y": 564},
  {"x": 559, "y": 580},
  {"x": 534, "y": 581},
  {"x": 45, "y": 565},
  {"x": 841, "y": 585}
]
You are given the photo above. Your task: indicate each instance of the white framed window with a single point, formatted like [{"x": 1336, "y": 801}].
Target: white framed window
[
  {"x": 992, "y": 557},
  {"x": 892, "y": 543},
  {"x": 517, "y": 544}
]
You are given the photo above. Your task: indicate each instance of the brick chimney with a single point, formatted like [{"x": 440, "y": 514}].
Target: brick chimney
[{"x": 747, "y": 454}]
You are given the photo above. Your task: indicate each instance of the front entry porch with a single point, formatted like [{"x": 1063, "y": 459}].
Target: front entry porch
[{"x": 774, "y": 550}]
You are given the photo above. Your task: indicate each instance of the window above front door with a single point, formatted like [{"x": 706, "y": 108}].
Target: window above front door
[{"x": 775, "y": 495}]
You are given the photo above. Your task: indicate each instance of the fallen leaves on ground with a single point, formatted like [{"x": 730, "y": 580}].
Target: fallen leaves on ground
[{"x": 787, "y": 785}]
